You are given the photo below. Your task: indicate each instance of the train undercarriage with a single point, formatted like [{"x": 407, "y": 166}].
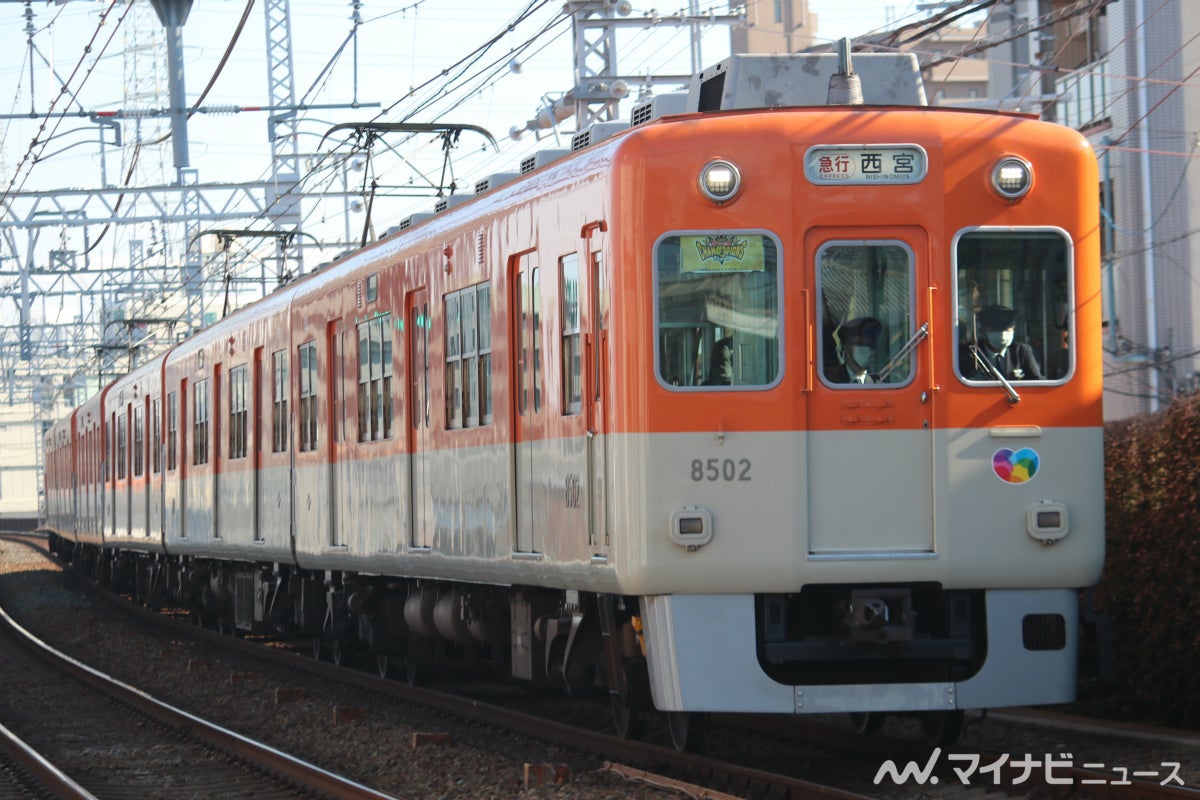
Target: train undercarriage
[{"x": 584, "y": 644}]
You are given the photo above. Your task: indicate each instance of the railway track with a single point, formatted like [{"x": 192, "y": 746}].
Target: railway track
[
  {"x": 117, "y": 742},
  {"x": 25, "y": 774}
]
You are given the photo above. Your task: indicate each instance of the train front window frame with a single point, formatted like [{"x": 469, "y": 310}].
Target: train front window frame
[
  {"x": 717, "y": 310},
  {"x": 865, "y": 291},
  {"x": 1025, "y": 277}
]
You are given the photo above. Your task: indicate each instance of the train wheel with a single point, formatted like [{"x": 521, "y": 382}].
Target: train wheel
[
  {"x": 688, "y": 730},
  {"x": 867, "y": 723},
  {"x": 630, "y": 722},
  {"x": 941, "y": 728}
]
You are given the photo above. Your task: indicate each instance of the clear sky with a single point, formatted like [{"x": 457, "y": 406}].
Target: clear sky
[{"x": 839, "y": 18}]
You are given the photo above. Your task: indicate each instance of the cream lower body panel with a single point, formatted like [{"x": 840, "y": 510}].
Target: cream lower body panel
[{"x": 689, "y": 671}]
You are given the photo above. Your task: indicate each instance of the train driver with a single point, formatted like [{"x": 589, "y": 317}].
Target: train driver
[
  {"x": 1014, "y": 360},
  {"x": 856, "y": 342}
]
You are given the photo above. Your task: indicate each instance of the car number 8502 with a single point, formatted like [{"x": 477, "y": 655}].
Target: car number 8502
[{"x": 720, "y": 469}]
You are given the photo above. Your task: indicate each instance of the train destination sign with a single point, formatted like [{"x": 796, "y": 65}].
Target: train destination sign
[{"x": 859, "y": 164}]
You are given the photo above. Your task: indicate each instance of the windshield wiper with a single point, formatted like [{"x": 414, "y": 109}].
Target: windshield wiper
[
  {"x": 921, "y": 333},
  {"x": 987, "y": 364}
]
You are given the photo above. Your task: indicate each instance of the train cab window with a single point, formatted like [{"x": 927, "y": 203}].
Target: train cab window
[
  {"x": 717, "y": 310},
  {"x": 308, "y": 396},
  {"x": 172, "y": 429},
  {"x": 865, "y": 313},
  {"x": 200, "y": 423},
  {"x": 279, "y": 403},
  {"x": 375, "y": 378},
  {"x": 1014, "y": 305}
]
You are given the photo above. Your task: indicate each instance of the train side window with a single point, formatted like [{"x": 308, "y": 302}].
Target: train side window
[
  {"x": 1015, "y": 297},
  {"x": 172, "y": 429},
  {"x": 308, "y": 396},
  {"x": 279, "y": 403},
  {"x": 468, "y": 357},
  {"x": 121, "y": 446},
  {"x": 139, "y": 441},
  {"x": 717, "y": 309},
  {"x": 572, "y": 355},
  {"x": 483, "y": 302},
  {"x": 454, "y": 418},
  {"x": 375, "y": 378},
  {"x": 238, "y": 412},
  {"x": 156, "y": 435},
  {"x": 865, "y": 313},
  {"x": 200, "y": 423}
]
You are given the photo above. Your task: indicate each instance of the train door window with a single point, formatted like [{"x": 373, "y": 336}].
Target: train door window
[
  {"x": 308, "y": 396},
  {"x": 572, "y": 355},
  {"x": 279, "y": 403},
  {"x": 866, "y": 313},
  {"x": 600, "y": 316},
  {"x": 172, "y": 429},
  {"x": 536, "y": 312},
  {"x": 200, "y": 423},
  {"x": 238, "y": 411},
  {"x": 375, "y": 378},
  {"x": 717, "y": 310},
  {"x": 420, "y": 369},
  {"x": 156, "y": 436},
  {"x": 139, "y": 441},
  {"x": 1014, "y": 295},
  {"x": 121, "y": 446}
]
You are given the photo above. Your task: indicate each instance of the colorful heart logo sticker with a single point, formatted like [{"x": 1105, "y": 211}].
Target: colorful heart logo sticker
[{"x": 1015, "y": 467}]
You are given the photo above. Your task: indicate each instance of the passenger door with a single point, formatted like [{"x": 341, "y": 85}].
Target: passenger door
[
  {"x": 870, "y": 445},
  {"x": 595, "y": 360},
  {"x": 530, "y": 407}
]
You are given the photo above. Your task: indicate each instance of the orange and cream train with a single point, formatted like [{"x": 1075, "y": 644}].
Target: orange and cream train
[{"x": 706, "y": 414}]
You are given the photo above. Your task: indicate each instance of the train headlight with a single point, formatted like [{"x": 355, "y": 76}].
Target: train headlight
[
  {"x": 720, "y": 181},
  {"x": 1012, "y": 178}
]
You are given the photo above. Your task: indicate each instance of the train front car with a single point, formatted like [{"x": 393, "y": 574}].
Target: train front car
[{"x": 861, "y": 429}]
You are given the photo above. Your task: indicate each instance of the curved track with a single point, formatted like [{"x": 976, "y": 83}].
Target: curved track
[{"x": 117, "y": 742}]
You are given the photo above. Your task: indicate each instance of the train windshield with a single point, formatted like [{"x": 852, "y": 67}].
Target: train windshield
[
  {"x": 1014, "y": 299},
  {"x": 866, "y": 313},
  {"x": 717, "y": 296}
]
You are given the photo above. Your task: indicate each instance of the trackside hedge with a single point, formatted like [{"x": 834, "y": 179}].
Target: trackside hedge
[{"x": 1150, "y": 589}]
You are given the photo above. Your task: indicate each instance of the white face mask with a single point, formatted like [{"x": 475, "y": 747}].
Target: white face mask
[
  {"x": 861, "y": 355},
  {"x": 1000, "y": 339}
]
